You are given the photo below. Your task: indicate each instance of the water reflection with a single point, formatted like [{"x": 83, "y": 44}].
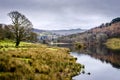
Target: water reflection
[
  {"x": 103, "y": 54},
  {"x": 98, "y": 70}
]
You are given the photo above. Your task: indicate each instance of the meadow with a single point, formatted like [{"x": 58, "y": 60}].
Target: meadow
[
  {"x": 36, "y": 62},
  {"x": 113, "y": 43}
]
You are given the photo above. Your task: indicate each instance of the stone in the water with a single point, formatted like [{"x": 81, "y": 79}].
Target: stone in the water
[
  {"x": 88, "y": 73},
  {"x": 83, "y": 72}
]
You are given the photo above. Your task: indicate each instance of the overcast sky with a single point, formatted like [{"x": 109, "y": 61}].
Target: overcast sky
[{"x": 62, "y": 14}]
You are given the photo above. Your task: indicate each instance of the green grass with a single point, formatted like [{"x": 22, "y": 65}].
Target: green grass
[
  {"x": 36, "y": 62},
  {"x": 113, "y": 43},
  {"x": 6, "y": 45}
]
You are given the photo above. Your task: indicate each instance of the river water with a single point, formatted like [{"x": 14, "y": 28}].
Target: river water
[
  {"x": 98, "y": 70},
  {"x": 100, "y": 63}
]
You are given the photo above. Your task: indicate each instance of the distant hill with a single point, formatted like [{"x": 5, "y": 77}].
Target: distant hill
[
  {"x": 38, "y": 30},
  {"x": 68, "y": 32},
  {"x": 60, "y": 32},
  {"x": 53, "y": 35}
]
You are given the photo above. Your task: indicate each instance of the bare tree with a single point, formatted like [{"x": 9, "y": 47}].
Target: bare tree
[{"x": 21, "y": 28}]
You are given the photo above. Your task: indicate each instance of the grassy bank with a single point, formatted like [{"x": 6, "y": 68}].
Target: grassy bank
[
  {"x": 36, "y": 62},
  {"x": 113, "y": 43},
  {"x": 79, "y": 45}
]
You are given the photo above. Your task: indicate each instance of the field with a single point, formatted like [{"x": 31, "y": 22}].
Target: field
[
  {"x": 36, "y": 62},
  {"x": 113, "y": 43}
]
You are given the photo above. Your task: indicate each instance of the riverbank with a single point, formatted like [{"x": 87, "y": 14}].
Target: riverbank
[
  {"x": 36, "y": 62},
  {"x": 113, "y": 43}
]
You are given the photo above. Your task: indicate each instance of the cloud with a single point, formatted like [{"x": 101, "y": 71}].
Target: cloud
[{"x": 62, "y": 14}]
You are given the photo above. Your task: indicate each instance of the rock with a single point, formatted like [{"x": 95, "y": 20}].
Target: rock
[{"x": 88, "y": 73}]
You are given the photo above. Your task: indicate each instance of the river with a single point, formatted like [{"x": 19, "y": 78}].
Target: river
[
  {"x": 100, "y": 63},
  {"x": 98, "y": 70}
]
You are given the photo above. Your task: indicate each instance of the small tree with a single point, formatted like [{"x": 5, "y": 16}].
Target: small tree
[{"x": 21, "y": 28}]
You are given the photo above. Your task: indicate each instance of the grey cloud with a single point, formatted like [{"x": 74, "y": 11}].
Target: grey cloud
[
  {"x": 64, "y": 12},
  {"x": 85, "y": 6}
]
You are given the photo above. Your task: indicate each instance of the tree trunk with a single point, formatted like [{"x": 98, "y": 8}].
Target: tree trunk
[{"x": 17, "y": 42}]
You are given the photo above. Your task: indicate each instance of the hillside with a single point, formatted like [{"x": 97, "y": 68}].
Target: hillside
[
  {"x": 111, "y": 29},
  {"x": 95, "y": 35}
]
